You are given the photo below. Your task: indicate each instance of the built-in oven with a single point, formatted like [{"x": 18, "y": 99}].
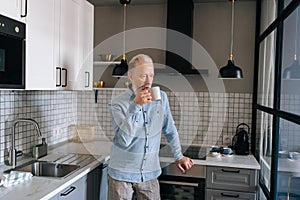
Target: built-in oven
[
  {"x": 175, "y": 184},
  {"x": 12, "y": 53}
]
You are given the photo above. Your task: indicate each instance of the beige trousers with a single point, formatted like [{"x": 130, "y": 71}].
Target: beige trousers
[{"x": 120, "y": 190}]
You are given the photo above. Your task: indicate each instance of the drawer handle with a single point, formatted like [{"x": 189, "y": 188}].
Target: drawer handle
[
  {"x": 231, "y": 171},
  {"x": 178, "y": 183},
  {"x": 230, "y": 195},
  {"x": 66, "y": 193}
]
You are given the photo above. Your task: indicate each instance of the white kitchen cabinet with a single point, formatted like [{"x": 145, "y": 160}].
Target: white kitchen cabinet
[
  {"x": 213, "y": 194},
  {"x": 67, "y": 44},
  {"x": 230, "y": 183},
  {"x": 74, "y": 46},
  {"x": 40, "y": 26},
  {"x": 75, "y": 191},
  {"x": 84, "y": 72},
  {"x": 14, "y": 9},
  {"x": 87, "y": 187},
  {"x": 56, "y": 45}
]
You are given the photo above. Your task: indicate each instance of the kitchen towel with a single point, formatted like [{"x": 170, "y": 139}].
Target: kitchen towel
[{"x": 14, "y": 178}]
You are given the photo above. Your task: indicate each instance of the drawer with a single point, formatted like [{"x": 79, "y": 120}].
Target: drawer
[
  {"x": 212, "y": 194},
  {"x": 231, "y": 179}
]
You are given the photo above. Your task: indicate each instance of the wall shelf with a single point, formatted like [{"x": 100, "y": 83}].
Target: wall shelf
[
  {"x": 97, "y": 89},
  {"x": 103, "y": 63},
  {"x": 107, "y": 88}
]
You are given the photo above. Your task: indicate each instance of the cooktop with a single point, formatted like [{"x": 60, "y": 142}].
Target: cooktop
[{"x": 194, "y": 152}]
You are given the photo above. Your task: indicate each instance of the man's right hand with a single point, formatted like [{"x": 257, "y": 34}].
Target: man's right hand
[{"x": 143, "y": 97}]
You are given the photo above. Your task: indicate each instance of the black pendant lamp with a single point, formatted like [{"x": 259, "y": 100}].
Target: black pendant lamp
[
  {"x": 231, "y": 71},
  {"x": 120, "y": 69},
  {"x": 293, "y": 71}
]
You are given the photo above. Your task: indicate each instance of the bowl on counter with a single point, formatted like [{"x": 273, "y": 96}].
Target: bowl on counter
[{"x": 227, "y": 151}]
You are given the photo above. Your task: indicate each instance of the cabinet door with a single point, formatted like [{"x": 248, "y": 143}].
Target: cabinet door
[
  {"x": 211, "y": 194},
  {"x": 68, "y": 39},
  {"x": 76, "y": 191},
  {"x": 84, "y": 72},
  {"x": 13, "y": 9},
  {"x": 40, "y": 70},
  {"x": 231, "y": 179}
]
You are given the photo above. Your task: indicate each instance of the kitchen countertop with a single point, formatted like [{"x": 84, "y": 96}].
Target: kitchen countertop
[
  {"x": 45, "y": 188},
  {"x": 236, "y": 161}
]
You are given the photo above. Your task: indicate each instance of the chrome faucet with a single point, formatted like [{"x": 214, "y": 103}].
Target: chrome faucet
[{"x": 12, "y": 156}]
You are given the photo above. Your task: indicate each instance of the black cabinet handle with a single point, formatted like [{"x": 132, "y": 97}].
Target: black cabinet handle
[
  {"x": 231, "y": 171},
  {"x": 87, "y": 78},
  {"x": 66, "y": 193},
  {"x": 25, "y": 10},
  {"x": 59, "y": 76},
  {"x": 230, "y": 195},
  {"x": 66, "y": 77}
]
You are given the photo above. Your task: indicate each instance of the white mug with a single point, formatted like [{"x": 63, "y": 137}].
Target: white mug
[{"x": 155, "y": 93}]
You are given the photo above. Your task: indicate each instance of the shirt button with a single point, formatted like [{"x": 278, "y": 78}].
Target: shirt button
[{"x": 146, "y": 122}]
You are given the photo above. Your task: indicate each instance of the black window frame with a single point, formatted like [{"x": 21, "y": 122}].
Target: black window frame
[{"x": 277, "y": 114}]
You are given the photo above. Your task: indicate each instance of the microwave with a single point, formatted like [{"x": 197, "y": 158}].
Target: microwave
[{"x": 12, "y": 53}]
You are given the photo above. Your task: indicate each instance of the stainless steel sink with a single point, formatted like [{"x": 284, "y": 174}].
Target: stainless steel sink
[
  {"x": 47, "y": 169},
  {"x": 59, "y": 168}
]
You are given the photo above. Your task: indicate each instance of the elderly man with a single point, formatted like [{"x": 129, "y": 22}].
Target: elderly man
[{"x": 138, "y": 123}]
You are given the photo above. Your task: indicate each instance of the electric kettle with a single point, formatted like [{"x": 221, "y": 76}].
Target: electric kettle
[{"x": 240, "y": 142}]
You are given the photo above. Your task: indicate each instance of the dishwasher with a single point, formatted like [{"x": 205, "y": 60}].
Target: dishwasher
[
  {"x": 103, "y": 182},
  {"x": 97, "y": 187}
]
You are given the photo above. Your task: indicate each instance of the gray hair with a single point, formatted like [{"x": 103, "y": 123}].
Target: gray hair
[{"x": 139, "y": 58}]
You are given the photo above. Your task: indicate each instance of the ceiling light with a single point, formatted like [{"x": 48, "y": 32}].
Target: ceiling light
[
  {"x": 231, "y": 71},
  {"x": 120, "y": 69}
]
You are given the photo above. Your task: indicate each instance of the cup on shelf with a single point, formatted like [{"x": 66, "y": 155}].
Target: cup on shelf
[
  {"x": 106, "y": 57},
  {"x": 126, "y": 84},
  {"x": 99, "y": 84}
]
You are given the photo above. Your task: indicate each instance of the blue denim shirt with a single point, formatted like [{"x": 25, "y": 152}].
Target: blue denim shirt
[{"x": 134, "y": 155}]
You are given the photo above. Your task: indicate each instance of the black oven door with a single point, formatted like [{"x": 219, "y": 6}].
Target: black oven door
[
  {"x": 174, "y": 187},
  {"x": 12, "y": 54}
]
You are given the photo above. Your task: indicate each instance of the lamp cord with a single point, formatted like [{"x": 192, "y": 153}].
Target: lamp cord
[
  {"x": 124, "y": 24},
  {"x": 232, "y": 27}
]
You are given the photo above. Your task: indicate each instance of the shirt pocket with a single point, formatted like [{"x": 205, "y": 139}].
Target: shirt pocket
[{"x": 156, "y": 119}]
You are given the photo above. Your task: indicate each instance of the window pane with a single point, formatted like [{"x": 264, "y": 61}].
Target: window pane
[
  {"x": 289, "y": 160},
  {"x": 264, "y": 136},
  {"x": 265, "y": 90},
  {"x": 290, "y": 90},
  {"x": 268, "y": 13}
]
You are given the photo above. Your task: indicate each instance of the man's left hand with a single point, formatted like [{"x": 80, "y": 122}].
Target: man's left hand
[{"x": 185, "y": 164}]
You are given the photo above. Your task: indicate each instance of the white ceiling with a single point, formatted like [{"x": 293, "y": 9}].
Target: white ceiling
[{"x": 145, "y": 2}]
